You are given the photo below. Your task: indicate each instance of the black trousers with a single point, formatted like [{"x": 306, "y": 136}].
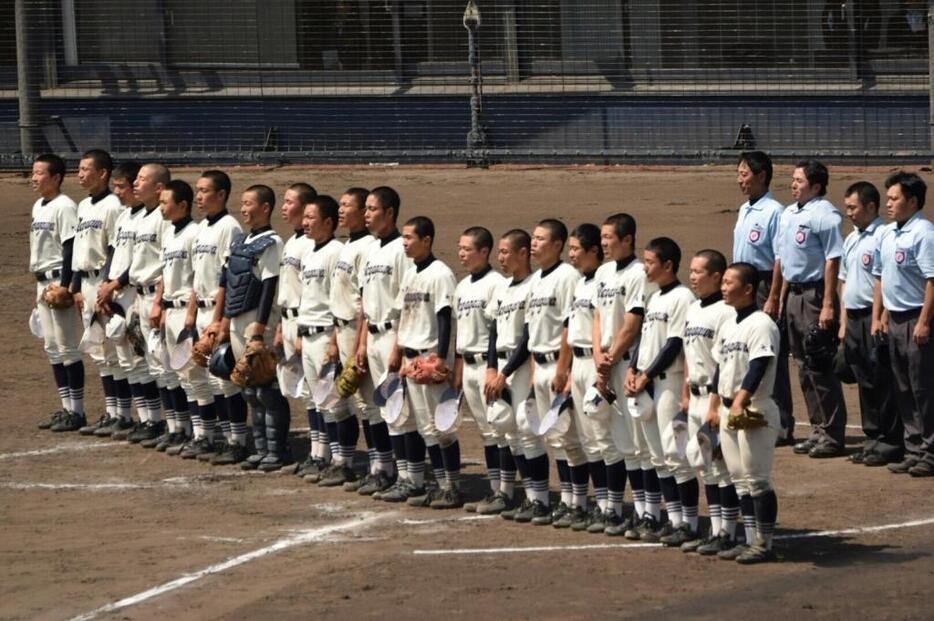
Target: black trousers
[
  {"x": 873, "y": 371},
  {"x": 782, "y": 390},
  {"x": 913, "y": 366}
]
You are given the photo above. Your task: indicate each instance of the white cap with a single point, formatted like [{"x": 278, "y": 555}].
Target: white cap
[
  {"x": 641, "y": 407},
  {"x": 447, "y": 410},
  {"x": 291, "y": 376},
  {"x": 35, "y": 326}
]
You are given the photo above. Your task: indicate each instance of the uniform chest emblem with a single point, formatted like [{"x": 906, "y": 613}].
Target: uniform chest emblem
[
  {"x": 755, "y": 235},
  {"x": 866, "y": 259},
  {"x": 801, "y": 236},
  {"x": 899, "y": 256}
]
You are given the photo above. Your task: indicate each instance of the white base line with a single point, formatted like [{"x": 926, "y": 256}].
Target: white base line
[
  {"x": 466, "y": 518},
  {"x": 300, "y": 538},
  {"x": 800, "y": 424},
  {"x": 60, "y": 449},
  {"x": 607, "y": 546}
]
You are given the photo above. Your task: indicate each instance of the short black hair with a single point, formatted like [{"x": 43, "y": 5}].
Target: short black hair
[
  {"x": 518, "y": 239},
  {"x": 758, "y": 162},
  {"x": 556, "y": 229},
  {"x": 219, "y": 181},
  {"x": 913, "y": 186},
  {"x": 588, "y": 235},
  {"x": 815, "y": 172},
  {"x": 423, "y": 226},
  {"x": 866, "y": 193},
  {"x": 126, "y": 170},
  {"x": 482, "y": 238},
  {"x": 160, "y": 173},
  {"x": 264, "y": 194},
  {"x": 359, "y": 195},
  {"x": 181, "y": 191},
  {"x": 327, "y": 208},
  {"x": 748, "y": 274},
  {"x": 388, "y": 198},
  {"x": 623, "y": 224},
  {"x": 714, "y": 259},
  {"x": 666, "y": 249},
  {"x": 306, "y": 193},
  {"x": 101, "y": 159},
  {"x": 55, "y": 164}
]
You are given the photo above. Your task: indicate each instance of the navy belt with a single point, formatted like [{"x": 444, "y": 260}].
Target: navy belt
[
  {"x": 857, "y": 313},
  {"x": 47, "y": 276},
  {"x": 89, "y": 273},
  {"x": 414, "y": 353},
  {"x": 205, "y": 303},
  {"x": 801, "y": 287},
  {"x": 311, "y": 330},
  {"x": 904, "y": 315},
  {"x": 700, "y": 390},
  {"x": 166, "y": 304},
  {"x": 289, "y": 313},
  {"x": 341, "y": 323},
  {"x": 546, "y": 357},
  {"x": 582, "y": 352},
  {"x": 145, "y": 290},
  {"x": 376, "y": 328},
  {"x": 474, "y": 358}
]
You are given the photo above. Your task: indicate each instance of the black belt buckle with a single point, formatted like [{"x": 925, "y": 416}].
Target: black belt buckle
[
  {"x": 582, "y": 352},
  {"x": 413, "y": 353},
  {"x": 376, "y": 328},
  {"x": 311, "y": 330},
  {"x": 205, "y": 303},
  {"x": 47, "y": 276},
  {"x": 474, "y": 358},
  {"x": 544, "y": 358},
  {"x": 146, "y": 289}
]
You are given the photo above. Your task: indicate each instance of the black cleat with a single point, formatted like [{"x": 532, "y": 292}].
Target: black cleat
[{"x": 69, "y": 421}]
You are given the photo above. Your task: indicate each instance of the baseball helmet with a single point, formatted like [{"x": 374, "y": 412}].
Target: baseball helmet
[
  {"x": 222, "y": 361},
  {"x": 820, "y": 346}
]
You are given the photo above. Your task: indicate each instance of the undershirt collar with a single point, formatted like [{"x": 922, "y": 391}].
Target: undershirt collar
[
  {"x": 745, "y": 312},
  {"x": 216, "y": 217},
  {"x": 711, "y": 299},
  {"x": 96, "y": 198},
  {"x": 545, "y": 273},
  {"x": 355, "y": 235},
  {"x": 323, "y": 244},
  {"x": 389, "y": 238},
  {"x": 181, "y": 224},
  {"x": 421, "y": 265},
  {"x": 669, "y": 286},
  {"x": 477, "y": 276},
  {"x": 622, "y": 264}
]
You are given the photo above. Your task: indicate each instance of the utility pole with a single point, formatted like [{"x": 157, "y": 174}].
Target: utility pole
[
  {"x": 476, "y": 137},
  {"x": 27, "y": 76}
]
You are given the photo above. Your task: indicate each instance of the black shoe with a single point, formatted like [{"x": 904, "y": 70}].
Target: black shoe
[
  {"x": 220, "y": 445},
  {"x": 756, "y": 553},
  {"x": 338, "y": 477},
  {"x": 804, "y": 447},
  {"x": 176, "y": 438},
  {"x": 681, "y": 535},
  {"x": 498, "y": 503},
  {"x": 656, "y": 536},
  {"x": 715, "y": 545},
  {"x": 857, "y": 457},
  {"x": 122, "y": 433},
  {"x": 524, "y": 509},
  {"x": 826, "y": 451},
  {"x": 147, "y": 431},
  {"x": 903, "y": 466},
  {"x": 450, "y": 498},
  {"x": 646, "y": 529},
  {"x": 53, "y": 418},
  {"x": 622, "y": 528},
  {"x": 116, "y": 424},
  {"x": 597, "y": 522},
  {"x": 922, "y": 469},
  {"x": 271, "y": 462},
  {"x": 197, "y": 447},
  {"x": 560, "y": 510},
  {"x": 89, "y": 430},
  {"x": 69, "y": 421},
  {"x": 304, "y": 467},
  {"x": 576, "y": 515},
  {"x": 233, "y": 454},
  {"x": 541, "y": 513},
  {"x": 154, "y": 442},
  {"x": 786, "y": 440},
  {"x": 582, "y": 520},
  {"x": 379, "y": 483},
  {"x": 611, "y": 520},
  {"x": 874, "y": 460}
]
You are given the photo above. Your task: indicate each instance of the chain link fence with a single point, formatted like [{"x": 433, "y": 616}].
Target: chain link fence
[{"x": 398, "y": 80}]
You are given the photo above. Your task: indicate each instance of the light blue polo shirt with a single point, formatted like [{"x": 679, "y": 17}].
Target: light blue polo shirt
[
  {"x": 808, "y": 236},
  {"x": 755, "y": 232},
  {"x": 904, "y": 260},
  {"x": 859, "y": 248}
]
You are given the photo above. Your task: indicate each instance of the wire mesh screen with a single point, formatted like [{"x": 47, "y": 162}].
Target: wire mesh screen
[{"x": 517, "y": 80}]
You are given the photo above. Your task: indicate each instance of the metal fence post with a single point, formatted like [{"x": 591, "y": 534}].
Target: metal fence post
[
  {"x": 27, "y": 85},
  {"x": 476, "y": 138}
]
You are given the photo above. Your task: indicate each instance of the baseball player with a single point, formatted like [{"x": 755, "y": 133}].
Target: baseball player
[
  {"x": 904, "y": 261},
  {"x": 585, "y": 254},
  {"x": 472, "y": 298},
  {"x": 145, "y": 275},
  {"x": 294, "y": 202},
  {"x": 345, "y": 305},
  {"x": 115, "y": 296},
  {"x": 426, "y": 297},
  {"x": 509, "y": 370},
  {"x": 315, "y": 332},
  {"x": 380, "y": 283},
  {"x": 809, "y": 247},
  {"x": 177, "y": 317},
  {"x": 93, "y": 248},
  {"x": 704, "y": 321},
  {"x": 658, "y": 368},
  {"x": 215, "y": 233},
  {"x": 867, "y": 357},
  {"x": 249, "y": 280},
  {"x": 551, "y": 293},
  {"x": 51, "y": 243},
  {"x": 754, "y": 242},
  {"x": 746, "y": 354},
  {"x": 619, "y": 308}
]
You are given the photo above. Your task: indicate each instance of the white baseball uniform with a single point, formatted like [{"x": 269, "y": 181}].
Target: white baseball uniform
[
  {"x": 145, "y": 273},
  {"x": 748, "y": 453},
  {"x": 703, "y": 324},
  {"x": 472, "y": 297},
  {"x": 53, "y": 224},
  {"x": 664, "y": 319},
  {"x": 551, "y": 293},
  {"x": 425, "y": 291},
  {"x": 621, "y": 289},
  {"x": 583, "y": 371},
  {"x": 95, "y": 232},
  {"x": 177, "y": 286},
  {"x": 345, "y": 306},
  {"x": 211, "y": 249},
  {"x": 315, "y": 322},
  {"x": 290, "y": 295},
  {"x": 380, "y": 283}
]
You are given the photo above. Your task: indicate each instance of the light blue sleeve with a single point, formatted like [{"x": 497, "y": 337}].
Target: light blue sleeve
[
  {"x": 830, "y": 236},
  {"x": 925, "y": 252},
  {"x": 877, "y": 254}
]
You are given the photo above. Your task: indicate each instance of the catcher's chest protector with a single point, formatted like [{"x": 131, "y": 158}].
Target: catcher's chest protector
[{"x": 243, "y": 287}]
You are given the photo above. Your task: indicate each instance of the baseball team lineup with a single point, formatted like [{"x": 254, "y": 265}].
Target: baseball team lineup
[{"x": 576, "y": 347}]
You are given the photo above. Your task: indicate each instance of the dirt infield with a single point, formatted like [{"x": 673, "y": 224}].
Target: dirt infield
[{"x": 96, "y": 529}]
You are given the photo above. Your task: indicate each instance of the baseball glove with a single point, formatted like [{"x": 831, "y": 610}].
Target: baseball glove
[
  {"x": 58, "y": 297},
  {"x": 202, "y": 350},
  {"x": 257, "y": 366},
  {"x": 348, "y": 381},
  {"x": 429, "y": 370},
  {"x": 748, "y": 419},
  {"x": 820, "y": 347},
  {"x": 134, "y": 335}
]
